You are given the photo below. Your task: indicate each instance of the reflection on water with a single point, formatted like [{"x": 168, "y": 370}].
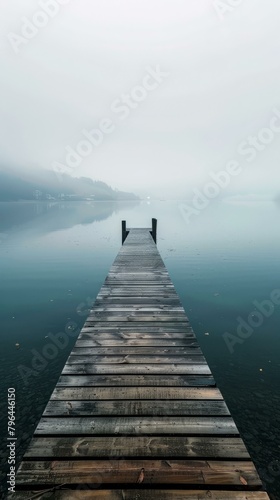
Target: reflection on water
[
  {"x": 52, "y": 216},
  {"x": 55, "y": 256}
]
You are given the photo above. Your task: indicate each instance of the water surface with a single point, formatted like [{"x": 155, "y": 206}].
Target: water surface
[{"x": 54, "y": 258}]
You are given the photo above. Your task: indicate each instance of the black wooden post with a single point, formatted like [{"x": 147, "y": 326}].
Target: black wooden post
[
  {"x": 123, "y": 231},
  {"x": 154, "y": 230}
]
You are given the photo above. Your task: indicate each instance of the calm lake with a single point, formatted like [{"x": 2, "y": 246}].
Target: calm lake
[{"x": 55, "y": 257}]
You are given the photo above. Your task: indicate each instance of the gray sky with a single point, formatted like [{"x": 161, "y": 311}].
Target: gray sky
[{"x": 221, "y": 85}]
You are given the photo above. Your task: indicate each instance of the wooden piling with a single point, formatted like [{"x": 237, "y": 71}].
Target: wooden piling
[
  {"x": 154, "y": 230},
  {"x": 124, "y": 231}
]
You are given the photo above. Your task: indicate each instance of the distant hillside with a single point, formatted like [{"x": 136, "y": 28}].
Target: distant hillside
[{"x": 46, "y": 185}]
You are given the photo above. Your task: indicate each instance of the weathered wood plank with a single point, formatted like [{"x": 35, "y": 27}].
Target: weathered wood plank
[
  {"x": 138, "y": 331},
  {"x": 167, "y": 289},
  {"x": 130, "y": 426},
  {"x": 138, "y": 447},
  {"x": 140, "y": 351},
  {"x": 150, "y": 262},
  {"x": 142, "y": 494},
  {"x": 136, "y": 380},
  {"x": 140, "y": 369},
  {"x": 128, "y": 261},
  {"x": 163, "y": 290},
  {"x": 161, "y": 287},
  {"x": 140, "y": 338},
  {"x": 142, "y": 266},
  {"x": 137, "y": 316},
  {"x": 88, "y": 333},
  {"x": 133, "y": 408},
  {"x": 140, "y": 279},
  {"x": 122, "y": 256},
  {"x": 131, "y": 268},
  {"x": 122, "y": 279},
  {"x": 183, "y": 472},
  {"x": 96, "y": 335},
  {"x": 167, "y": 285},
  {"x": 127, "y": 266},
  {"x": 117, "y": 264},
  {"x": 136, "y": 281},
  {"x": 138, "y": 359},
  {"x": 136, "y": 300},
  {"x": 165, "y": 393},
  {"x": 136, "y": 308},
  {"x": 132, "y": 260},
  {"x": 87, "y": 340},
  {"x": 141, "y": 293},
  {"x": 153, "y": 328},
  {"x": 130, "y": 274}
]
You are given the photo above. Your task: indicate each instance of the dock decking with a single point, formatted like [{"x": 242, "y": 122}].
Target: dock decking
[{"x": 136, "y": 414}]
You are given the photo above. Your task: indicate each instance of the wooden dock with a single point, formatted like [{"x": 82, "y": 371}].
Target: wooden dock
[{"x": 136, "y": 414}]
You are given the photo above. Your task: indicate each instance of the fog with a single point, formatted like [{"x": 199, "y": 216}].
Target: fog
[{"x": 153, "y": 97}]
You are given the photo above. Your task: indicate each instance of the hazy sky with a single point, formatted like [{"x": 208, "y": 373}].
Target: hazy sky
[{"x": 175, "y": 89}]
